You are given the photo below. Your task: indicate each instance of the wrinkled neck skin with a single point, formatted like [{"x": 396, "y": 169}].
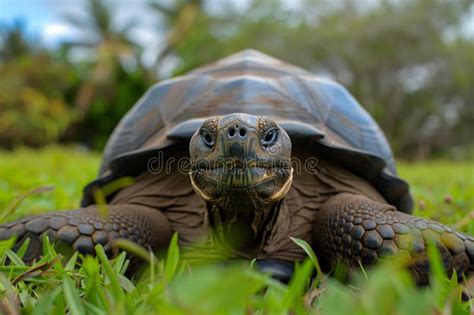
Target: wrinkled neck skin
[{"x": 242, "y": 229}]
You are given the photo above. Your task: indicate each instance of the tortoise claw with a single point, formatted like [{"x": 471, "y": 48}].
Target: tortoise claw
[
  {"x": 82, "y": 229},
  {"x": 355, "y": 229}
]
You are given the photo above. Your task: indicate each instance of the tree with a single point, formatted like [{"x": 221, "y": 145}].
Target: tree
[
  {"x": 109, "y": 47},
  {"x": 113, "y": 77},
  {"x": 407, "y": 62},
  {"x": 179, "y": 20},
  {"x": 14, "y": 43},
  {"x": 33, "y": 84}
]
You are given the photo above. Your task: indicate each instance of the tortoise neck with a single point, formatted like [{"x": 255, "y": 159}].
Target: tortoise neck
[{"x": 243, "y": 231}]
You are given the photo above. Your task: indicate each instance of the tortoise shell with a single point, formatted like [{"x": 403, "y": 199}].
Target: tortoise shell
[{"x": 309, "y": 108}]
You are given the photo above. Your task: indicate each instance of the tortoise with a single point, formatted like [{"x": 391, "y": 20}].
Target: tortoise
[{"x": 240, "y": 155}]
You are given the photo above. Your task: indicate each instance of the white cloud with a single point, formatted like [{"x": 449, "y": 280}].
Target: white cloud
[{"x": 54, "y": 32}]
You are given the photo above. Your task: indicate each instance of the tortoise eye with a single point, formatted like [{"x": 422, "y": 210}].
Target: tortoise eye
[
  {"x": 207, "y": 138},
  {"x": 270, "y": 137}
]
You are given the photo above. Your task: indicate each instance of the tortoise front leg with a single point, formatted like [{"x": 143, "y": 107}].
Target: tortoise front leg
[
  {"x": 352, "y": 229},
  {"x": 84, "y": 228}
]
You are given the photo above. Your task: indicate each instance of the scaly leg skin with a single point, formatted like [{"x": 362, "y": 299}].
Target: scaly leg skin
[
  {"x": 85, "y": 228},
  {"x": 352, "y": 229}
]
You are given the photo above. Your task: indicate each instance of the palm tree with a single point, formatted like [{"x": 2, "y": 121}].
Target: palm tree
[
  {"x": 108, "y": 47},
  {"x": 179, "y": 20},
  {"x": 14, "y": 42}
]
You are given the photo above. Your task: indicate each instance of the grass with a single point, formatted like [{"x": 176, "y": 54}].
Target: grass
[
  {"x": 95, "y": 285},
  {"x": 443, "y": 191}
]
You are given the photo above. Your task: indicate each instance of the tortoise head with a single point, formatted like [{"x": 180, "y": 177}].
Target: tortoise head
[{"x": 241, "y": 162}]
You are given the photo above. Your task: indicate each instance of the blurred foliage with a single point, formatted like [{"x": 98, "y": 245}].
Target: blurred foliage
[
  {"x": 407, "y": 62},
  {"x": 112, "y": 78},
  {"x": 33, "y": 88},
  {"x": 95, "y": 285}
]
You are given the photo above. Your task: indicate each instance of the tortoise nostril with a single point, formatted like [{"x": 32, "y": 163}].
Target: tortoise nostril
[{"x": 237, "y": 130}]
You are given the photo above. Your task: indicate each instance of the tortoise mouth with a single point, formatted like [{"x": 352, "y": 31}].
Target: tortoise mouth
[
  {"x": 235, "y": 173},
  {"x": 232, "y": 181},
  {"x": 236, "y": 177}
]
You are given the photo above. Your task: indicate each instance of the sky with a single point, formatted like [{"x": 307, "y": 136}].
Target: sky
[
  {"x": 45, "y": 16},
  {"x": 45, "y": 20}
]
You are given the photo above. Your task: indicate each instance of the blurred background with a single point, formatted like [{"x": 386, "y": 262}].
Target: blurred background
[{"x": 69, "y": 70}]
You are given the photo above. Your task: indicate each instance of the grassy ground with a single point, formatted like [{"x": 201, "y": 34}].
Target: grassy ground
[{"x": 443, "y": 191}]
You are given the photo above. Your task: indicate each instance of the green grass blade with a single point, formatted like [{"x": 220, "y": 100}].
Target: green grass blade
[
  {"x": 14, "y": 258},
  {"x": 297, "y": 285},
  {"x": 23, "y": 248},
  {"x": 71, "y": 262},
  {"x": 172, "y": 258},
  {"x": 312, "y": 256},
  {"x": 6, "y": 245},
  {"x": 72, "y": 297},
  {"x": 109, "y": 272}
]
